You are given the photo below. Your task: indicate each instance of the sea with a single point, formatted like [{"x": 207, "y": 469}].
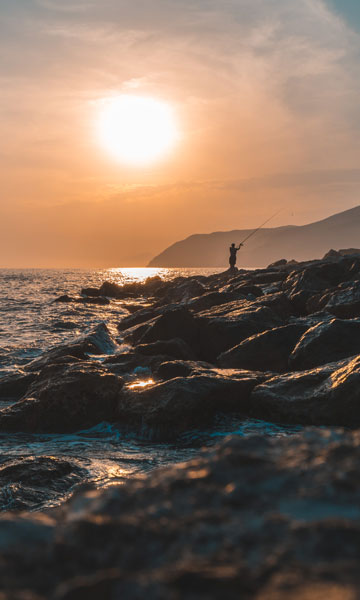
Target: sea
[{"x": 31, "y": 323}]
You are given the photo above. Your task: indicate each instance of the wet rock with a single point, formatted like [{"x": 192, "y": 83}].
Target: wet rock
[
  {"x": 315, "y": 278},
  {"x": 99, "y": 341},
  {"x": 215, "y": 298},
  {"x": 326, "y": 342},
  {"x": 174, "y": 348},
  {"x": 267, "y": 351},
  {"x": 27, "y": 481},
  {"x": 327, "y": 395},
  {"x": 183, "y": 290},
  {"x": 74, "y": 398},
  {"x": 251, "y": 518},
  {"x": 175, "y": 405}
]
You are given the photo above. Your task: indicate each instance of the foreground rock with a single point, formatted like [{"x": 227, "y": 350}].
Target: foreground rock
[{"x": 253, "y": 518}]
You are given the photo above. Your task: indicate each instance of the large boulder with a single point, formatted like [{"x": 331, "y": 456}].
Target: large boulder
[
  {"x": 267, "y": 351},
  {"x": 75, "y": 397},
  {"x": 175, "y": 405},
  {"x": 326, "y": 342},
  {"x": 345, "y": 303},
  {"x": 177, "y": 323},
  {"x": 328, "y": 395},
  {"x": 224, "y": 327},
  {"x": 174, "y": 348},
  {"x": 98, "y": 341}
]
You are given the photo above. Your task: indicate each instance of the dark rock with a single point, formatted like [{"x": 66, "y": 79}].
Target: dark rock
[
  {"x": 75, "y": 398},
  {"x": 332, "y": 254},
  {"x": 345, "y": 303},
  {"x": 327, "y": 395},
  {"x": 180, "y": 368},
  {"x": 175, "y": 405},
  {"x": 175, "y": 348},
  {"x": 267, "y": 351},
  {"x": 178, "y": 323},
  {"x": 222, "y": 328},
  {"x": 90, "y": 291},
  {"x": 257, "y": 517},
  {"x": 326, "y": 342},
  {"x": 26, "y": 481},
  {"x": 210, "y": 299},
  {"x": 100, "y": 341},
  {"x": 14, "y": 386},
  {"x": 279, "y": 263},
  {"x": 183, "y": 290}
]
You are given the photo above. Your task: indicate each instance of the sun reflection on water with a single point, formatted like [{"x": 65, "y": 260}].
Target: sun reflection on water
[{"x": 138, "y": 274}]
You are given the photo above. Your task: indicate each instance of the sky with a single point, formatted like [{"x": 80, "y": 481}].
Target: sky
[{"x": 266, "y": 97}]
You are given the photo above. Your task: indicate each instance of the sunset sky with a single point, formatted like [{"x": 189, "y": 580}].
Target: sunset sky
[{"x": 265, "y": 94}]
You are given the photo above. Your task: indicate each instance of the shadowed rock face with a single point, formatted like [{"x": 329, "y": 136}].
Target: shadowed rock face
[
  {"x": 326, "y": 342},
  {"x": 267, "y": 351},
  {"x": 252, "y": 518}
]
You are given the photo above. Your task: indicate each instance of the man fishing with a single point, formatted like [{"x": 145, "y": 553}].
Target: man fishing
[{"x": 233, "y": 252}]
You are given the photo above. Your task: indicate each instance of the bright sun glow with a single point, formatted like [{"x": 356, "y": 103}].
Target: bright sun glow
[{"x": 137, "y": 130}]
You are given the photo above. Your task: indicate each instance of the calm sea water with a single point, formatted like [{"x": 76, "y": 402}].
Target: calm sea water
[{"x": 31, "y": 323}]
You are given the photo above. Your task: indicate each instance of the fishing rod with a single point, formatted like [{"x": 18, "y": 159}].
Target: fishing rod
[{"x": 261, "y": 226}]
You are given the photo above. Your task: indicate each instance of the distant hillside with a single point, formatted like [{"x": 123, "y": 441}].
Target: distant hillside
[{"x": 268, "y": 245}]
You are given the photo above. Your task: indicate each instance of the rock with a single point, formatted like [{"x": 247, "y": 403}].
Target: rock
[
  {"x": 177, "y": 323},
  {"x": 327, "y": 395},
  {"x": 182, "y": 290},
  {"x": 332, "y": 254},
  {"x": 224, "y": 327},
  {"x": 345, "y": 303},
  {"x": 211, "y": 299},
  {"x": 76, "y": 397},
  {"x": 99, "y": 341},
  {"x": 180, "y": 368},
  {"x": 267, "y": 351},
  {"x": 174, "y": 348},
  {"x": 256, "y": 517},
  {"x": 279, "y": 263},
  {"x": 170, "y": 407},
  {"x": 26, "y": 481},
  {"x": 14, "y": 386},
  {"x": 326, "y": 342}
]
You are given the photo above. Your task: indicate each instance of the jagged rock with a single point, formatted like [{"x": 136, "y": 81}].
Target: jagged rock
[
  {"x": 25, "y": 481},
  {"x": 177, "y": 323},
  {"x": 226, "y": 326},
  {"x": 211, "y": 299},
  {"x": 175, "y": 405},
  {"x": 174, "y": 348},
  {"x": 326, "y": 342},
  {"x": 267, "y": 351},
  {"x": 345, "y": 303},
  {"x": 99, "y": 341},
  {"x": 332, "y": 254},
  {"x": 74, "y": 398},
  {"x": 182, "y": 290},
  {"x": 278, "y": 263},
  {"x": 14, "y": 386},
  {"x": 327, "y": 395},
  {"x": 251, "y": 518}
]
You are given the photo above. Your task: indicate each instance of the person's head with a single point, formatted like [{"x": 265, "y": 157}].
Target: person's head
[{"x": 232, "y": 245}]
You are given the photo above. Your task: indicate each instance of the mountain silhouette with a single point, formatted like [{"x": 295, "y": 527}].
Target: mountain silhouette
[{"x": 304, "y": 242}]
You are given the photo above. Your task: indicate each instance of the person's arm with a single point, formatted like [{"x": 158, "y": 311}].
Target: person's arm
[{"x": 240, "y": 246}]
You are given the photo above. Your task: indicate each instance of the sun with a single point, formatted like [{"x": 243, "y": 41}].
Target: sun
[{"x": 137, "y": 130}]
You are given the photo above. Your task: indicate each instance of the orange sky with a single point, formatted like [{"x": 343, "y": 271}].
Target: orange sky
[{"x": 265, "y": 93}]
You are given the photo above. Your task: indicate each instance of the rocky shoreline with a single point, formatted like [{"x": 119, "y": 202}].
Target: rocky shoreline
[{"x": 252, "y": 518}]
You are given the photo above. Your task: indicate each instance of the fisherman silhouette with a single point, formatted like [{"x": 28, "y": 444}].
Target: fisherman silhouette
[{"x": 233, "y": 252}]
